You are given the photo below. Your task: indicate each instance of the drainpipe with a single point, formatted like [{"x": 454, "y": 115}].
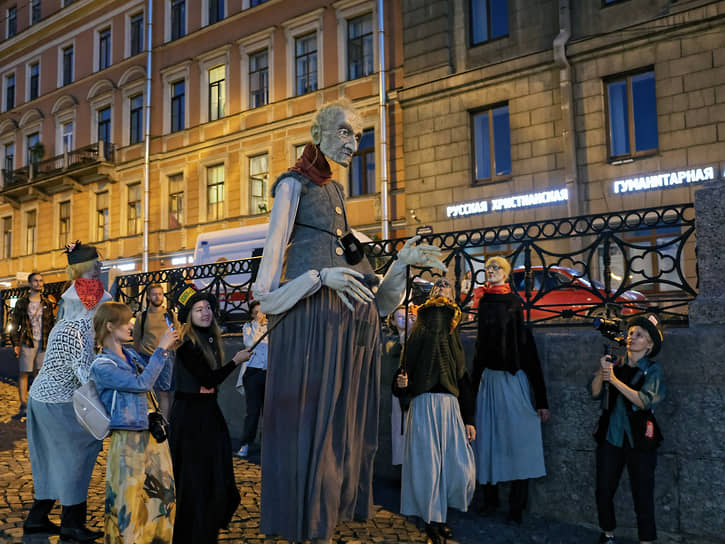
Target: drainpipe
[
  {"x": 568, "y": 135},
  {"x": 147, "y": 136},
  {"x": 383, "y": 113}
]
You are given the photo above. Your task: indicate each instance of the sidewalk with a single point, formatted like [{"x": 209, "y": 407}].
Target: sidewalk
[{"x": 16, "y": 496}]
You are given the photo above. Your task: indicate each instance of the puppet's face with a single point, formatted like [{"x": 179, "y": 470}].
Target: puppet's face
[{"x": 339, "y": 139}]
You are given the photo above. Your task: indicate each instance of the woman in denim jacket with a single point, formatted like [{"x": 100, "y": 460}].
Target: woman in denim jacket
[{"x": 140, "y": 495}]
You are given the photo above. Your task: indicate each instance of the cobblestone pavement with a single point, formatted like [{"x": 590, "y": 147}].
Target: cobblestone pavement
[{"x": 16, "y": 496}]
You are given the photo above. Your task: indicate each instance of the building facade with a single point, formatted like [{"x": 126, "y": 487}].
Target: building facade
[
  {"x": 528, "y": 110},
  {"x": 234, "y": 85}
]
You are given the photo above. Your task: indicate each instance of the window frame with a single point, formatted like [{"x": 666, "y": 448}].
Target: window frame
[
  {"x": 106, "y": 215},
  {"x": 219, "y": 205},
  {"x": 104, "y": 61},
  {"x": 177, "y": 101},
  {"x": 248, "y": 47},
  {"x": 26, "y": 231},
  {"x": 139, "y": 111},
  {"x": 6, "y": 78},
  {"x": 35, "y": 8},
  {"x": 363, "y": 153},
  {"x": 7, "y": 236},
  {"x": 11, "y": 21},
  {"x": 265, "y": 198},
  {"x": 137, "y": 205},
  {"x": 471, "y": 24},
  {"x": 64, "y": 235},
  {"x": 297, "y": 28},
  {"x": 62, "y": 57},
  {"x": 131, "y": 21},
  {"x": 206, "y": 12},
  {"x": 631, "y": 155},
  {"x": 179, "y": 218},
  {"x": 170, "y": 33},
  {"x": 31, "y": 86},
  {"x": 170, "y": 75},
  {"x": 350, "y": 9},
  {"x": 492, "y": 149}
]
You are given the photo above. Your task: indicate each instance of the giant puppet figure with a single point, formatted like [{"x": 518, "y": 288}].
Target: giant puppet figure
[{"x": 321, "y": 418}]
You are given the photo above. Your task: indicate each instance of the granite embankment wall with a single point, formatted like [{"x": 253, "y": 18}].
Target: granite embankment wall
[{"x": 690, "y": 495}]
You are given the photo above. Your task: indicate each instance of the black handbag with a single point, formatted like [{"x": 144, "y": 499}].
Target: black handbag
[{"x": 158, "y": 426}]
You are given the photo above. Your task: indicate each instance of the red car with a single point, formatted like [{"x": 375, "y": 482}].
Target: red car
[{"x": 565, "y": 290}]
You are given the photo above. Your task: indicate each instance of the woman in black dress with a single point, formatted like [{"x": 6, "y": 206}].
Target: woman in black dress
[{"x": 201, "y": 450}]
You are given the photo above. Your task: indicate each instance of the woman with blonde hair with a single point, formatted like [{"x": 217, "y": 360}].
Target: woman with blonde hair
[
  {"x": 206, "y": 491},
  {"x": 62, "y": 453},
  {"x": 506, "y": 369},
  {"x": 140, "y": 499}
]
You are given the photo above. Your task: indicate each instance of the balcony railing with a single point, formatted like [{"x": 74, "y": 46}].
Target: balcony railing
[
  {"x": 99, "y": 151},
  {"x": 608, "y": 271}
]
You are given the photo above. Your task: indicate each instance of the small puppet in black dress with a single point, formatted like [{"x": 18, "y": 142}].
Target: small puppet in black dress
[{"x": 438, "y": 464}]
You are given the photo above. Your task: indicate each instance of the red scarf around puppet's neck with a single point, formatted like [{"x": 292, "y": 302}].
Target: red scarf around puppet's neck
[
  {"x": 313, "y": 164},
  {"x": 497, "y": 289},
  {"x": 89, "y": 291}
]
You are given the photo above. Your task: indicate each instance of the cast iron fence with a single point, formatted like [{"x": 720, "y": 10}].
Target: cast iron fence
[
  {"x": 9, "y": 296},
  {"x": 566, "y": 271}
]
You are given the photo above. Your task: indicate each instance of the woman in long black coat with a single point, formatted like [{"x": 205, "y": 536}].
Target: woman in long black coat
[
  {"x": 201, "y": 450},
  {"x": 506, "y": 369}
]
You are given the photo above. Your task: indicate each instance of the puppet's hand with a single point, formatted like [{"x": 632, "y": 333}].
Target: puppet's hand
[
  {"x": 422, "y": 256},
  {"x": 346, "y": 282}
]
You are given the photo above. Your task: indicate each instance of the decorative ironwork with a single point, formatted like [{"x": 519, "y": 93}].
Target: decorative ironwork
[
  {"x": 566, "y": 271},
  {"x": 9, "y": 296}
]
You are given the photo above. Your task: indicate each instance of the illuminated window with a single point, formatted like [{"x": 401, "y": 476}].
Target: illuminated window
[
  {"x": 176, "y": 200},
  {"x": 215, "y": 192},
  {"x": 133, "y": 209},
  {"x": 258, "y": 187},
  {"x": 63, "y": 222},
  {"x": 102, "y": 216},
  {"x": 217, "y": 92}
]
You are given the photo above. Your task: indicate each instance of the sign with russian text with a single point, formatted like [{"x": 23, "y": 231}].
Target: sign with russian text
[
  {"x": 664, "y": 180},
  {"x": 505, "y": 203}
]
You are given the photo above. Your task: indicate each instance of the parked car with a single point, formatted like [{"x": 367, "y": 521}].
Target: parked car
[{"x": 565, "y": 289}]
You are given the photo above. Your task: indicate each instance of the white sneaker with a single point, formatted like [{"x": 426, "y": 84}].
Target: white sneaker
[{"x": 243, "y": 451}]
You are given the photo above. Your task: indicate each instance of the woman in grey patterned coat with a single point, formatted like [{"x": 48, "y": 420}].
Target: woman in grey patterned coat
[{"x": 62, "y": 453}]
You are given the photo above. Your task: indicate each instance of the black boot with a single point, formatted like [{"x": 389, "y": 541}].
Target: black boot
[
  {"x": 73, "y": 524},
  {"x": 37, "y": 520},
  {"x": 434, "y": 536}
]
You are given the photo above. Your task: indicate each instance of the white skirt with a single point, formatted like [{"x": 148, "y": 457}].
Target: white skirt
[{"x": 438, "y": 463}]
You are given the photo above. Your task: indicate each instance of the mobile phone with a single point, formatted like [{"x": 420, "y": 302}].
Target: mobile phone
[{"x": 169, "y": 323}]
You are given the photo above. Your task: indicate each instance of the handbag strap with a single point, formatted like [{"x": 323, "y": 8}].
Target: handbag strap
[{"x": 150, "y": 394}]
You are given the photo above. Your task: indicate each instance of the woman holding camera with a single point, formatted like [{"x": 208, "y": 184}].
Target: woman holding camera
[
  {"x": 206, "y": 491},
  {"x": 627, "y": 433},
  {"x": 140, "y": 500}
]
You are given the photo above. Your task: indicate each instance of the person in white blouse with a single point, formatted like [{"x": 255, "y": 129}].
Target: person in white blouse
[
  {"x": 322, "y": 297},
  {"x": 253, "y": 374}
]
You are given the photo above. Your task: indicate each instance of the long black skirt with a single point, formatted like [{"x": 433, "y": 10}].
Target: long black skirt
[
  {"x": 320, "y": 423},
  {"x": 201, "y": 452}
]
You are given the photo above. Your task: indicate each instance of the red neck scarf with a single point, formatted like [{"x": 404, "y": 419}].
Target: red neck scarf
[
  {"x": 313, "y": 164},
  {"x": 497, "y": 289},
  {"x": 89, "y": 291}
]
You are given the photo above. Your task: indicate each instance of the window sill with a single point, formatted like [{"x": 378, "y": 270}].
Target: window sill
[
  {"x": 617, "y": 161},
  {"x": 502, "y": 179}
]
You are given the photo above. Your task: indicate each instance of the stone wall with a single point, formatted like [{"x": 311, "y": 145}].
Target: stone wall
[{"x": 689, "y": 493}]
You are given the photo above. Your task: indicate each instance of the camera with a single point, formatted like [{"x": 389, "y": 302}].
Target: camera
[
  {"x": 157, "y": 426},
  {"x": 611, "y": 329}
]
